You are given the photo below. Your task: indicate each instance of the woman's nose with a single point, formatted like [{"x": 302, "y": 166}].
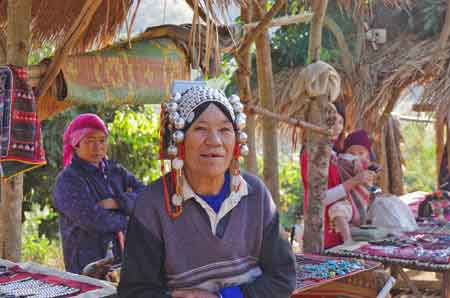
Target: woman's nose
[{"x": 214, "y": 138}]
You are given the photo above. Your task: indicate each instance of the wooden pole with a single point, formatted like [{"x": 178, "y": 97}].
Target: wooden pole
[
  {"x": 18, "y": 47},
  {"x": 270, "y": 133},
  {"x": 261, "y": 28},
  {"x": 319, "y": 152},
  {"x": 317, "y": 146},
  {"x": 315, "y": 35},
  {"x": 243, "y": 78}
]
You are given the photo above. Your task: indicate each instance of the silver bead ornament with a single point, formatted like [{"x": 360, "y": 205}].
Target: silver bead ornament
[
  {"x": 172, "y": 107},
  {"x": 177, "y": 164},
  {"x": 173, "y": 117},
  {"x": 177, "y": 199},
  {"x": 238, "y": 107},
  {"x": 179, "y": 123},
  {"x": 240, "y": 122},
  {"x": 177, "y": 97},
  {"x": 234, "y": 99},
  {"x": 172, "y": 151},
  {"x": 242, "y": 137},
  {"x": 178, "y": 136},
  {"x": 244, "y": 150}
]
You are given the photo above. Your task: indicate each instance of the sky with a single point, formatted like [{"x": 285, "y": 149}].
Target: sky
[{"x": 159, "y": 12}]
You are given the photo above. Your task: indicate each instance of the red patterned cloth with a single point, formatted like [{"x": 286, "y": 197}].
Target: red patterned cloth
[
  {"x": 21, "y": 147},
  {"x": 20, "y": 274}
]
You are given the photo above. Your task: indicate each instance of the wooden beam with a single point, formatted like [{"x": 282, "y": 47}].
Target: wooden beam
[
  {"x": 424, "y": 107},
  {"x": 250, "y": 36},
  {"x": 291, "y": 121},
  {"x": 284, "y": 21},
  {"x": 18, "y": 48},
  {"x": 245, "y": 92},
  {"x": 77, "y": 29}
]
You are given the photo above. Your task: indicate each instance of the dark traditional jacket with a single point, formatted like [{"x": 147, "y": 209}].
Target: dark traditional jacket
[
  {"x": 239, "y": 245},
  {"x": 86, "y": 228}
]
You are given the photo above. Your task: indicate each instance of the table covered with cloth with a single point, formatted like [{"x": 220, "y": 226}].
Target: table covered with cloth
[{"x": 33, "y": 280}]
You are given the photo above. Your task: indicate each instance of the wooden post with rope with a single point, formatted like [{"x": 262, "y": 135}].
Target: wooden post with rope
[
  {"x": 18, "y": 47},
  {"x": 317, "y": 146}
]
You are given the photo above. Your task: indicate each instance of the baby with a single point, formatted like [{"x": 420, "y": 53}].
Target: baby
[{"x": 353, "y": 167}]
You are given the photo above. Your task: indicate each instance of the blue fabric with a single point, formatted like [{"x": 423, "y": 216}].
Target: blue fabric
[
  {"x": 86, "y": 228},
  {"x": 215, "y": 201},
  {"x": 231, "y": 292}
]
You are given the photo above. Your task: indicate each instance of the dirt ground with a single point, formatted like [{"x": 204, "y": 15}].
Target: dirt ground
[{"x": 428, "y": 284}]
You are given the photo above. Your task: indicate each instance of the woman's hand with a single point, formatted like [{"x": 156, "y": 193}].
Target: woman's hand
[
  {"x": 194, "y": 293},
  {"x": 366, "y": 178},
  {"x": 109, "y": 204}
]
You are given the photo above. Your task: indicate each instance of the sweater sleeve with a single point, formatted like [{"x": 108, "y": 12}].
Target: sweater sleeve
[
  {"x": 276, "y": 259},
  {"x": 127, "y": 197},
  {"x": 142, "y": 274},
  {"x": 73, "y": 198}
]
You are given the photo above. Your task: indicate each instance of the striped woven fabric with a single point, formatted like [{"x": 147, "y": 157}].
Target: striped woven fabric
[{"x": 21, "y": 147}]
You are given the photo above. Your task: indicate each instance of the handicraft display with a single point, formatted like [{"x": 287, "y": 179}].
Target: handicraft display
[{"x": 312, "y": 269}]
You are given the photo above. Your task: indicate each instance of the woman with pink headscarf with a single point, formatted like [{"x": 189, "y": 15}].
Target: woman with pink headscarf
[{"x": 93, "y": 195}]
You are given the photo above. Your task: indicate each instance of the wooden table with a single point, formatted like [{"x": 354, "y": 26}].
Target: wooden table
[{"x": 357, "y": 284}]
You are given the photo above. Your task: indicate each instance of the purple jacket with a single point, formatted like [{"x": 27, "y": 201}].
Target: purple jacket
[{"x": 86, "y": 228}]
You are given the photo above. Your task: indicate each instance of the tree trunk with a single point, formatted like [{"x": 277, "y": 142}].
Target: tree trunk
[
  {"x": 18, "y": 47},
  {"x": 270, "y": 134},
  {"x": 315, "y": 37},
  {"x": 317, "y": 146},
  {"x": 319, "y": 151},
  {"x": 245, "y": 92}
]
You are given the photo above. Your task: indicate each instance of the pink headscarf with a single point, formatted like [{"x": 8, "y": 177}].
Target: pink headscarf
[{"x": 81, "y": 126}]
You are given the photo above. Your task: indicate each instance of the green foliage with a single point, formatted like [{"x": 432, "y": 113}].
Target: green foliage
[
  {"x": 134, "y": 141},
  {"x": 290, "y": 43},
  {"x": 291, "y": 189},
  {"x": 419, "y": 153},
  {"x": 428, "y": 17},
  {"x": 36, "y": 246}
]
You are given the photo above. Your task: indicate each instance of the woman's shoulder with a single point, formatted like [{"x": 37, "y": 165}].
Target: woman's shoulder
[{"x": 151, "y": 198}]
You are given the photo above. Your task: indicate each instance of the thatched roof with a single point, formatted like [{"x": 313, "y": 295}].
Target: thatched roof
[{"x": 53, "y": 18}]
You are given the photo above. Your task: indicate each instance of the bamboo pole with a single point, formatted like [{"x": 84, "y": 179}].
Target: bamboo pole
[
  {"x": 77, "y": 29},
  {"x": 18, "y": 47},
  {"x": 439, "y": 130},
  {"x": 265, "y": 89},
  {"x": 283, "y": 21},
  {"x": 317, "y": 146}
]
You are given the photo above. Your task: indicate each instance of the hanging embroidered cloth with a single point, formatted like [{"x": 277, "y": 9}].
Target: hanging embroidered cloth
[{"x": 21, "y": 147}]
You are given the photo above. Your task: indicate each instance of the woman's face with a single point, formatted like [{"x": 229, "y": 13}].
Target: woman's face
[
  {"x": 93, "y": 147},
  {"x": 359, "y": 151},
  {"x": 337, "y": 127},
  {"x": 209, "y": 144}
]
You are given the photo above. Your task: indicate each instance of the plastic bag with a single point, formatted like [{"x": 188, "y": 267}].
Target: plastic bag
[{"x": 389, "y": 212}]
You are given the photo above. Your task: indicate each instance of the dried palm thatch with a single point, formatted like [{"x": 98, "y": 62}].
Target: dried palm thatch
[{"x": 52, "y": 19}]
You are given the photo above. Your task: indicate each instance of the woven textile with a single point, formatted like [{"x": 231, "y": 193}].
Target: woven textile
[{"x": 21, "y": 147}]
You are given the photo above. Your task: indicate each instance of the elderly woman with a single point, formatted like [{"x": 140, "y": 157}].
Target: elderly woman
[
  {"x": 93, "y": 195},
  {"x": 204, "y": 230}
]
